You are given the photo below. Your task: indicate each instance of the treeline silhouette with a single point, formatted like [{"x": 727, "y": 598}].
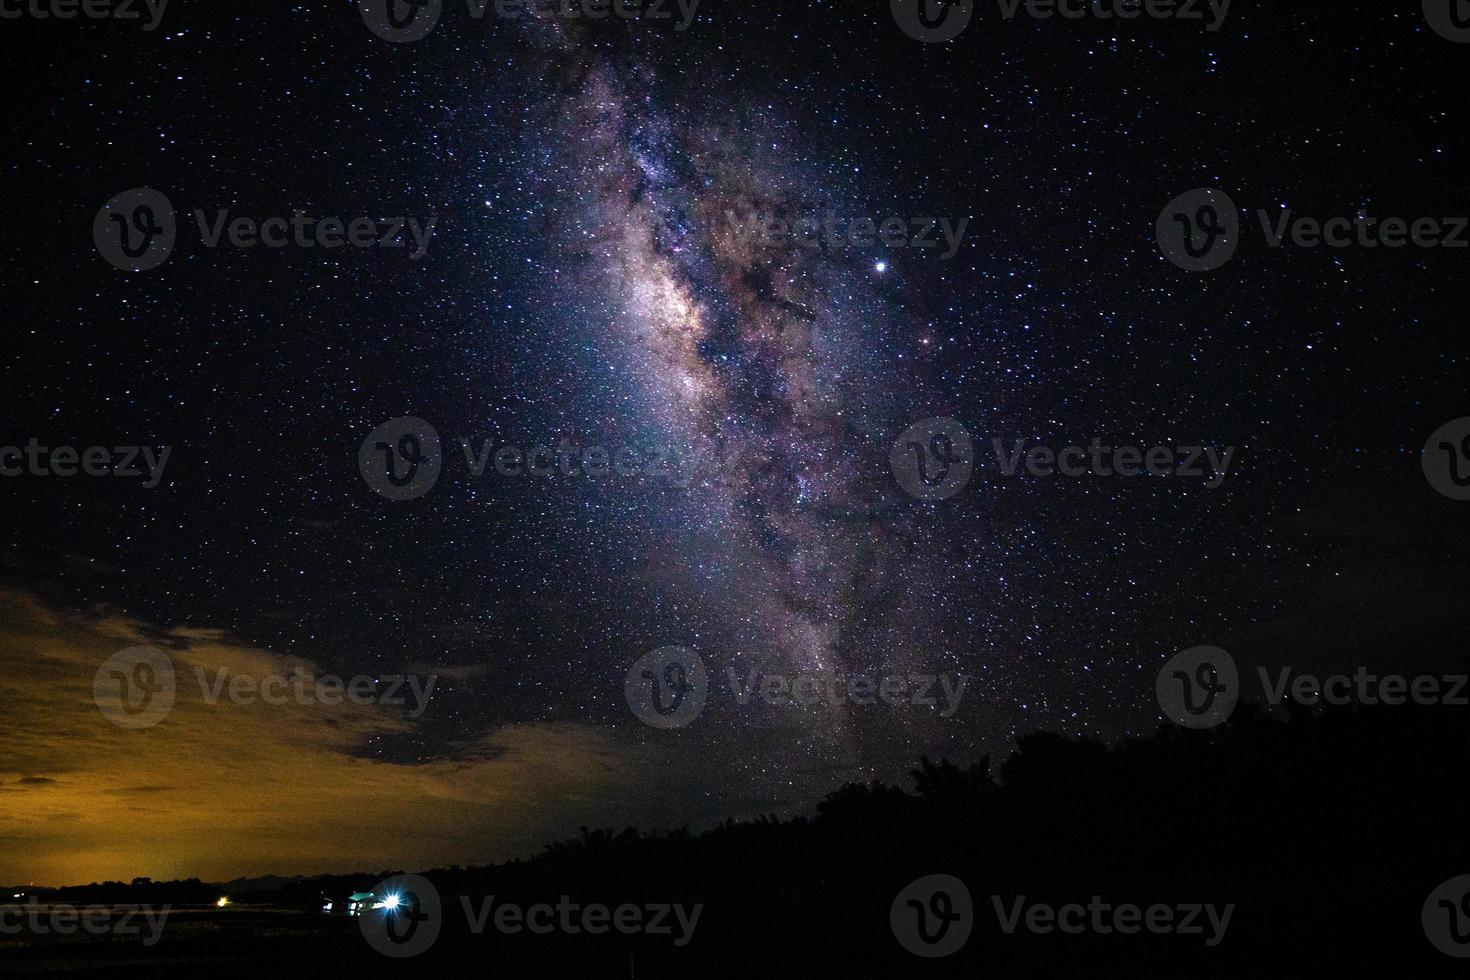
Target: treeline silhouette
[{"x": 1325, "y": 828}]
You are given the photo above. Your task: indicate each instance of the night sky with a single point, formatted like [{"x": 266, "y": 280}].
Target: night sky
[{"x": 584, "y": 282}]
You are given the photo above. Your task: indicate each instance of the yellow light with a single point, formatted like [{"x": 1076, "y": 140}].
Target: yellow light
[{"x": 223, "y": 901}]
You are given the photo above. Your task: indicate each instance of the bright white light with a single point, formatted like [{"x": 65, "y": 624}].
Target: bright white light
[
  {"x": 390, "y": 903},
  {"x": 881, "y": 266}
]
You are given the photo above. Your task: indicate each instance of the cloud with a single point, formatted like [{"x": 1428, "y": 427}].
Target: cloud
[{"x": 228, "y": 789}]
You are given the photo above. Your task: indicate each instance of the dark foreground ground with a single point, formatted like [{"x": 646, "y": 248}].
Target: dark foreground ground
[{"x": 1327, "y": 832}]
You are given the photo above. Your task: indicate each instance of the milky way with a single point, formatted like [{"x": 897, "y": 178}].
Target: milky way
[{"x": 753, "y": 351}]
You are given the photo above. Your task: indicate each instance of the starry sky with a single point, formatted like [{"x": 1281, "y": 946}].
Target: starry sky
[{"x": 585, "y": 282}]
